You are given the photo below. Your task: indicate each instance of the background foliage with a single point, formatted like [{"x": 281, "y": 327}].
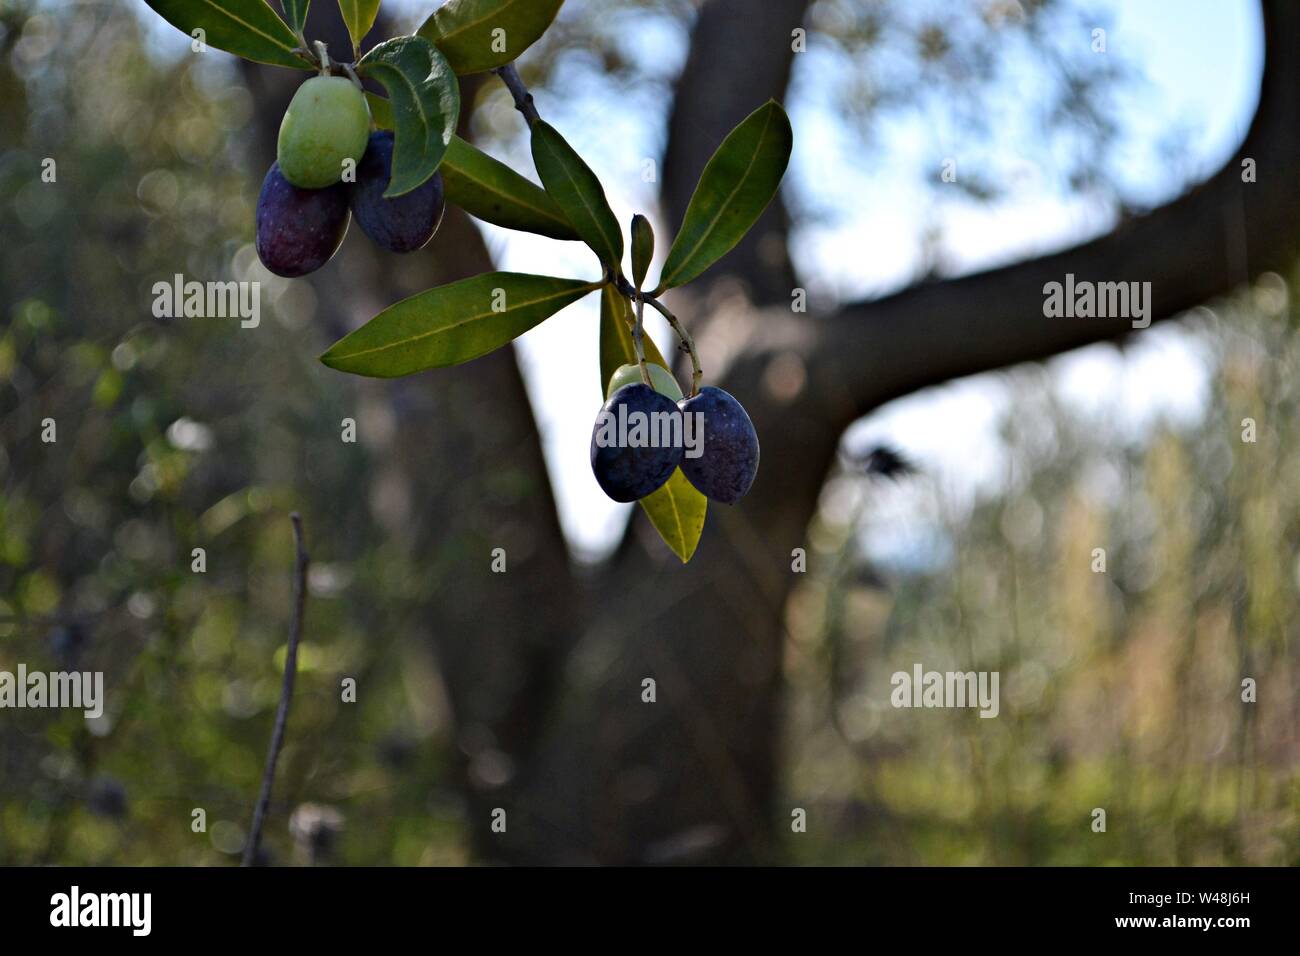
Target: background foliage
[{"x": 1201, "y": 533}]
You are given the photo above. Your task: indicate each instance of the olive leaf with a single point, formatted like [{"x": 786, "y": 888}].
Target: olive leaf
[
  {"x": 676, "y": 510},
  {"x": 478, "y": 35},
  {"x": 643, "y": 248},
  {"x": 736, "y": 186},
  {"x": 359, "y": 16},
  {"x": 578, "y": 192},
  {"x": 495, "y": 193},
  {"x": 452, "y": 323},
  {"x": 295, "y": 12},
  {"x": 247, "y": 28},
  {"x": 424, "y": 100}
]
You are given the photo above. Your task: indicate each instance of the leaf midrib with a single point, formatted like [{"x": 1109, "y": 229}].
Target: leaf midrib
[
  {"x": 677, "y": 520},
  {"x": 415, "y": 96},
  {"x": 295, "y": 17},
  {"x": 591, "y": 212},
  {"x": 508, "y": 197},
  {"x": 455, "y": 325},
  {"x": 226, "y": 13},
  {"x": 474, "y": 23},
  {"x": 351, "y": 10}
]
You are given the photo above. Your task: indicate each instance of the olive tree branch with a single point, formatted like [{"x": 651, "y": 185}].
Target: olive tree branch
[
  {"x": 524, "y": 103},
  {"x": 523, "y": 99},
  {"x": 638, "y": 339},
  {"x": 286, "y": 693},
  {"x": 323, "y": 63},
  {"x": 323, "y": 56},
  {"x": 688, "y": 343}
]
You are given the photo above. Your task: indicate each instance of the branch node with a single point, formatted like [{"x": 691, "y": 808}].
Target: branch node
[{"x": 523, "y": 99}]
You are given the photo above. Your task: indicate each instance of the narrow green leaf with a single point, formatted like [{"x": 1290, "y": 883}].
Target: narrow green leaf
[
  {"x": 295, "y": 12},
  {"x": 424, "y": 101},
  {"x": 478, "y": 35},
  {"x": 578, "y": 192},
  {"x": 737, "y": 185},
  {"x": 676, "y": 510},
  {"x": 247, "y": 28},
  {"x": 495, "y": 193},
  {"x": 643, "y": 248},
  {"x": 452, "y": 323},
  {"x": 359, "y": 15}
]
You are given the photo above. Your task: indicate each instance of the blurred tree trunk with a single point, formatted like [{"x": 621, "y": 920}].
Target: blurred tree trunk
[{"x": 459, "y": 472}]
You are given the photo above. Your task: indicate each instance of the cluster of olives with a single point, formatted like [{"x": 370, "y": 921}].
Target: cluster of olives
[
  {"x": 721, "y": 466},
  {"x": 307, "y": 201}
]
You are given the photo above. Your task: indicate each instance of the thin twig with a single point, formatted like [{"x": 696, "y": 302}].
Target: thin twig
[
  {"x": 523, "y": 99},
  {"x": 627, "y": 288},
  {"x": 688, "y": 343},
  {"x": 352, "y": 75},
  {"x": 524, "y": 103},
  {"x": 638, "y": 334},
  {"x": 286, "y": 693}
]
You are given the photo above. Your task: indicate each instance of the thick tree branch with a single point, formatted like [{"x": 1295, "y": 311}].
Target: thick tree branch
[
  {"x": 741, "y": 55},
  {"x": 1197, "y": 247}
]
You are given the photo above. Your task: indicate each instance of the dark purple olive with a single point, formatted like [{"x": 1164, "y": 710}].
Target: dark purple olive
[
  {"x": 729, "y": 461},
  {"x": 404, "y": 223},
  {"x": 637, "y": 442},
  {"x": 299, "y": 230}
]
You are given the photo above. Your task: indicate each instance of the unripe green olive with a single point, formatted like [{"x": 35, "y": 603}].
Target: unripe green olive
[
  {"x": 326, "y": 122},
  {"x": 660, "y": 377}
]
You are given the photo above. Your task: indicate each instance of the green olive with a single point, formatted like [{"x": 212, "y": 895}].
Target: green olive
[
  {"x": 660, "y": 377},
  {"x": 326, "y": 123}
]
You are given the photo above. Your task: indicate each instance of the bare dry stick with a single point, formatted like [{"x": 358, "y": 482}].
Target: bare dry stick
[{"x": 286, "y": 693}]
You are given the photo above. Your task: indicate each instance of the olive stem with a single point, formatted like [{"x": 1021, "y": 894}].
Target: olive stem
[
  {"x": 523, "y": 99},
  {"x": 688, "y": 343},
  {"x": 322, "y": 62},
  {"x": 524, "y": 103},
  {"x": 638, "y": 339},
  {"x": 352, "y": 74}
]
